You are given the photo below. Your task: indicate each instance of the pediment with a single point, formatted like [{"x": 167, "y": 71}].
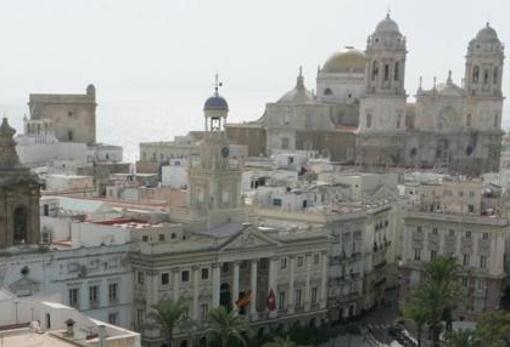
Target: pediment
[
  {"x": 25, "y": 286},
  {"x": 384, "y": 192},
  {"x": 247, "y": 238}
]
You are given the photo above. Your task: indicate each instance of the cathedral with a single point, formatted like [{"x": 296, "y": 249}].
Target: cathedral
[{"x": 361, "y": 115}]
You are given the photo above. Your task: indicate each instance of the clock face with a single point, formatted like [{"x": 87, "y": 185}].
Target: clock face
[{"x": 225, "y": 152}]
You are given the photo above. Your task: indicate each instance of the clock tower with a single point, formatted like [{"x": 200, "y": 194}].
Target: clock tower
[{"x": 214, "y": 191}]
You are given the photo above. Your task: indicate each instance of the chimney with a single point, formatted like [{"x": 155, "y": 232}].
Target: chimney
[{"x": 70, "y": 327}]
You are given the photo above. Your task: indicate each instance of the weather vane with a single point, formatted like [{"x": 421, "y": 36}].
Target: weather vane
[{"x": 217, "y": 84}]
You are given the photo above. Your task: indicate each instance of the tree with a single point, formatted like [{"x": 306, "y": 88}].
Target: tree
[
  {"x": 462, "y": 338},
  {"x": 494, "y": 329},
  {"x": 168, "y": 315},
  {"x": 281, "y": 342},
  {"x": 227, "y": 326},
  {"x": 418, "y": 314}
]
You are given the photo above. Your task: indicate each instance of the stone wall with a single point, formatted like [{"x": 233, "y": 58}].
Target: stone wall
[{"x": 252, "y": 137}]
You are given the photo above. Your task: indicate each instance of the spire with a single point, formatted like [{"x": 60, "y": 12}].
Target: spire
[
  {"x": 449, "y": 80},
  {"x": 8, "y": 156},
  {"x": 300, "y": 83}
]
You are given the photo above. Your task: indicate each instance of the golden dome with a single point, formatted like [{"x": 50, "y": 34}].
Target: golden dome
[{"x": 348, "y": 60}]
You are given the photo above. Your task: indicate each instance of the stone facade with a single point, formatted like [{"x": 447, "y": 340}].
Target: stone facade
[
  {"x": 73, "y": 115},
  {"x": 363, "y": 94},
  {"x": 19, "y": 195}
]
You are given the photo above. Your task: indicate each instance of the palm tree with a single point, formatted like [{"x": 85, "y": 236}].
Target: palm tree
[
  {"x": 439, "y": 292},
  {"x": 227, "y": 326},
  {"x": 418, "y": 314},
  {"x": 168, "y": 315},
  {"x": 462, "y": 338},
  {"x": 281, "y": 342}
]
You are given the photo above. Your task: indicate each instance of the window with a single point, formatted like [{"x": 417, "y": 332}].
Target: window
[
  {"x": 328, "y": 91},
  {"x": 205, "y": 273},
  {"x": 466, "y": 259},
  {"x": 204, "y": 310},
  {"x": 300, "y": 261},
  {"x": 433, "y": 255},
  {"x": 375, "y": 70},
  {"x": 48, "y": 321},
  {"x": 471, "y": 208},
  {"x": 161, "y": 237},
  {"x": 451, "y": 233},
  {"x": 496, "y": 120},
  {"x": 285, "y": 143},
  {"x": 165, "y": 278},
  {"x": 465, "y": 281},
  {"x": 281, "y": 300},
  {"x": 141, "y": 277},
  {"x": 70, "y": 135},
  {"x": 396, "y": 76},
  {"x": 70, "y": 113},
  {"x": 224, "y": 267},
  {"x": 283, "y": 263},
  {"x": 461, "y": 194},
  {"x": 145, "y": 238},
  {"x": 386, "y": 72},
  {"x": 468, "y": 235},
  {"x": 298, "y": 297},
  {"x": 277, "y": 202},
  {"x": 173, "y": 236},
  {"x": 486, "y": 76},
  {"x": 94, "y": 295},
  {"x": 369, "y": 121},
  {"x": 185, "y": 276},
  {"x": 112, "y": 318},
  {"x": 46, "y": 212},
  {"x": 314, "y": 295},
  {"x": 483, "y": 261},
  {"x": 485, "y": 236},
  {"x": 74, "y": 297},
  {"x": 113, "y": 292},
  {"x": 417, "y": 254},
  {"x": 419, "y": 229},
  {"x": 316, "y": 259},
  {"x": 495, "y": 75},
  {"x": 482, "y": 284},
  {"x": 434, "y": 231},
  {"x": 476, "y": 74},
  {"x": 399, "y": 120},
  {"x": 471, "y": 195},
  {"x": 468, "y": 120}
]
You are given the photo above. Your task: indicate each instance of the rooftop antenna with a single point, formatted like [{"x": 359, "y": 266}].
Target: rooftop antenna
[{"x": 217, "y": 84}]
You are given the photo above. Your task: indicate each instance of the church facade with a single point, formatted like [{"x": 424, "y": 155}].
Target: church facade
[{"x": 360, "y": 113}]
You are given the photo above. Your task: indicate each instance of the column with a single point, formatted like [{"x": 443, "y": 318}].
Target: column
[
  {"x": 175, "y": 281},
  {"x": 195, "y": 293},
  {"x": 324, "y": 279},
  {"x": 253, "y": 285},
  {"x": 235, "y": 285},
  {"x": 308, "y": 264},
  {"x": 291, "y": 304},
  {"x": 155, "y": 283},
  {"x": 216, "y": 285}
]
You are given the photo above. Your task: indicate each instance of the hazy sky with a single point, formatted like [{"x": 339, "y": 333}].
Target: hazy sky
[{"x": 153, "y": 61}]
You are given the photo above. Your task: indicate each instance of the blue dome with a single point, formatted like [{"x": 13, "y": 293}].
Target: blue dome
[{"x": 217, "y": 103}]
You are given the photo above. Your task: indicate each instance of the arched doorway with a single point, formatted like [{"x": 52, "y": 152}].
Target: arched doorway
[
  {"x": 203, "y": 342},
  {"x": 20, "y": 225},
  {"x": 225, "y": 296},
  {"x": 184, "y": 343}
]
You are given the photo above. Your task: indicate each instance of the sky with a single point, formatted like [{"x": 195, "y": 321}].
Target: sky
[{"x": 153, "y": 61}]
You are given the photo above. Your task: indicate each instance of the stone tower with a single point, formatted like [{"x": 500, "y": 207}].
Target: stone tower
[
  {"x": 382, "y": 108},
  {"x": 19, "y": 195},
  {"x": 484, "y": 64},
  {"x": 214, "y": 191}
]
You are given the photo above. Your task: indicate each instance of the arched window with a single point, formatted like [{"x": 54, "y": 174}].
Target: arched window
[
  {"x": 485, "y": 76},
  {"x": 468, "y": 120},
  {"x": 476, "y": 74},
  {"x": 399, "y": 120},
  {"x": 495, "y": 76},
  {"x": 285, "y": 143},
  {"x": 396, "y": 76},
  {"x": 328, "y": 91},
  {"x": 20, "y": 225},
  {"x": 386, "y": 72},
  {"x": 496, "y": 121},
  {"x": 375, "y": 70},
  {"x": 369, "y": 120}
]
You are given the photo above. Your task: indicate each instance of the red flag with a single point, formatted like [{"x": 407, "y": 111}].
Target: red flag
[{"x": 271, "y": 301}]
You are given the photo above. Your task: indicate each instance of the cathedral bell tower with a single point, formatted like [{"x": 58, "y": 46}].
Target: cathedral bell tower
[
  {"x": 484, "y": 64},
  {"x": 19, "y": 195},
  {"x": 214, "y": 189},
  {"x": 382, "y": 108}
]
